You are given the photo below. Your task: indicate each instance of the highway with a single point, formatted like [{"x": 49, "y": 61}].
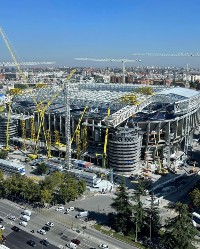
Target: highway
[{"x": 66, "y": 228}]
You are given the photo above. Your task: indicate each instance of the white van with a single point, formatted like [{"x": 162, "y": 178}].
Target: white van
[
  {"x": 25, "y": 218},
  {"x": 23, "y": 223},
  {"x": 71, "y": 245},
  {"x": 26, "y": 212}
]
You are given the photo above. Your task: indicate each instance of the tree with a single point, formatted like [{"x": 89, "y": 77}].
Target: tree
[
  {"x": 138, "y": 213},
  {"x": 1, "y": 176},
  {"x": 1, "y": 236},
  {"x": 46, "y": 196},
  {"x": 122, "y": 218},
  {"x": 152, "y": 219},
  {"x": 195, "y": 197},
  {"x": 3, "y": 154},
  {"x": 180, "y": 230},
  {"x": 42, "y": 168}
]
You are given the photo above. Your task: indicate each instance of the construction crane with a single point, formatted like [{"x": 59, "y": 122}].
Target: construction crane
[
  {"x": 123, "y": 61},
  {"x": 41, "y": 109},
  {"x": 169, "y": 54},
  {"x": 188, "y": 54},
  {"x": 104, "y": 155}
]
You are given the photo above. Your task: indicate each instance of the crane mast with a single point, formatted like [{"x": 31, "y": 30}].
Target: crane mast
[{"x": 67, "y": 126}]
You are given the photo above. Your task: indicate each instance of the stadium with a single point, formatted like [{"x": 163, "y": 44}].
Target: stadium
[{"x": 112, "y": 125}]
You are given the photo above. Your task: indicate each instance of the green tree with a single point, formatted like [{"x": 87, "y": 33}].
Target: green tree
[
  {"x": 195, "y": 197},
  {"x": 152, "y": 219},
  {"x": 122, "y": 218},
  {"x": 180, "y": 231},
  {"x": 46, "y": 196},
  {"x": 3, "y": 154},
  {"x": 1, "y": 176},
  {"x": 138, "y": 211},
  {"x": 1, "y": 235},
  {"x": 42, "y": 168}
]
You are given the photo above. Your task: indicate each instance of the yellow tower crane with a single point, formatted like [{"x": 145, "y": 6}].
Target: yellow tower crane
[
  {"x": 85, "y": 141},
  {"x": 104, "y": 155},
  {"x": 23, "y": 126}
]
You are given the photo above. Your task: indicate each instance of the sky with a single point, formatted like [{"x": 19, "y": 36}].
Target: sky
[{"x": 61, "y": 30}]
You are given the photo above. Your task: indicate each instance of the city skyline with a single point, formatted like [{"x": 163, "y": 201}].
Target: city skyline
[{"x": 63, "y": 30}]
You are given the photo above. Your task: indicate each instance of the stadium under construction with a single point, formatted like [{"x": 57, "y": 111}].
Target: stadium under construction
[{"x": 112, "y": 125}]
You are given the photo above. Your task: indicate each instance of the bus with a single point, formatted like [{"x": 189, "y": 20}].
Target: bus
[
  {"x": 11, "y": 167},
  {"x": 196, "y": 218}
]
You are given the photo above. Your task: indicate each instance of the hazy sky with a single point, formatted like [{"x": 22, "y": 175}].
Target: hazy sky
[{"x": 60, "y": 30}]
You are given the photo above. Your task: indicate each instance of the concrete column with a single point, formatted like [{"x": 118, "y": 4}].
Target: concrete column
[
  {"x": 147, "y": 133},
  {"x": 158, "y": 132},
  {"x": 60, "y": 125}
]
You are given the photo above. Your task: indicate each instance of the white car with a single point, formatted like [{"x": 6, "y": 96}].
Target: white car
[
  {"x": 50, "y": 224},
  {"x": 2, "y": 227},
  {"x": 11, "y": 217},
  {"x": 41, "y": 231},
  {"x": 104, "y": 246},
  {"x": 71, "y": 208},
  {"x": 60, "y": 208}
]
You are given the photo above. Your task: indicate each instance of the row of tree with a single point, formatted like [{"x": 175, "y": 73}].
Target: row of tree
[
  {"x": 57, "y": 188},
  {"x": 139, "y": 222}
]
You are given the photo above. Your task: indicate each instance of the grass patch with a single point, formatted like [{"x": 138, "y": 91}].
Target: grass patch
[{"x": 126, "y": 239}]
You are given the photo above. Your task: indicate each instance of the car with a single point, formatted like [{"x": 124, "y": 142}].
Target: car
[
  {"x": 44, "y": 242},
  {"x": 16, "y": 229},
  {"x": 67, "y": 211},
  {"x": 76, "y": 241},
  {"x": 41, "y": 231},
  {"x": 61, "y": 208},
  {"x": 71, "y": 208},
  {"x": 1, "y": 219},
  {"x": 12, "y": 217},
  {"x": 2, "y": 227},
  {"x": 46, "y": 228},
  {"x": 3, "y": 238},
  {"x": 31, "y": 243},
  {"x": 50, "y": 224},
  {"x": 104, "y": 246}
]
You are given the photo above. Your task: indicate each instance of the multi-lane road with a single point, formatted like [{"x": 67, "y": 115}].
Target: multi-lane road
[{"x": 66, "y": 228}]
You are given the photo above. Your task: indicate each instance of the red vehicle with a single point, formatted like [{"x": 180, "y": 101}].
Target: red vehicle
[{"x": 76, "y": 241}]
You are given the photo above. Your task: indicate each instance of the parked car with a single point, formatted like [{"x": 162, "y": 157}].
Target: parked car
[
  {"x": 11, "y": 217},
  {"x": 61, "y": 208},
  {"x": 16, "y": 229},
  {"x": 46, "y": 228},
  {"x": 71, "y": 208},
  {"x": 31, "y": 243},
  {"x": 2, "y": 227},
  {"x": 50, "y": 224},
  {"x": 1, "y": 219},
  {"x": 104, "y": 246},
  {"x": 44, "y": 242},
  {"x": 76, "y": 241},
  {"x": 23, "y": 223},
  {"x": 41, "y": 231}
]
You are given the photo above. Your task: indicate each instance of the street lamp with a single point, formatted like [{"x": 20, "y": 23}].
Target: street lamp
[{"x": 150, "y": 227}]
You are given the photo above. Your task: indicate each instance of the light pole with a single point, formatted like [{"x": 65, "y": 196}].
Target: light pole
[
  {"x": 136, "y": 230},
  {"x": 150, "y": 228}
]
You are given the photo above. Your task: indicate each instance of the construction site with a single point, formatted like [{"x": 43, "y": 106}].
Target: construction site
[
  {"x": 121, "y": 127},
  {"x": 113, "y": 126}
]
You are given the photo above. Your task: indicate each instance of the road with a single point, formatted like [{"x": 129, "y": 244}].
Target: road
[{"x": 66, "y": 228}]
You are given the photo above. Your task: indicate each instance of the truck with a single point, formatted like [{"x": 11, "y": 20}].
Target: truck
[
  {"x": 26, "y": 212},
  {"x": 82, "y": 214},
  {"x": 25, "y": 218}
]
